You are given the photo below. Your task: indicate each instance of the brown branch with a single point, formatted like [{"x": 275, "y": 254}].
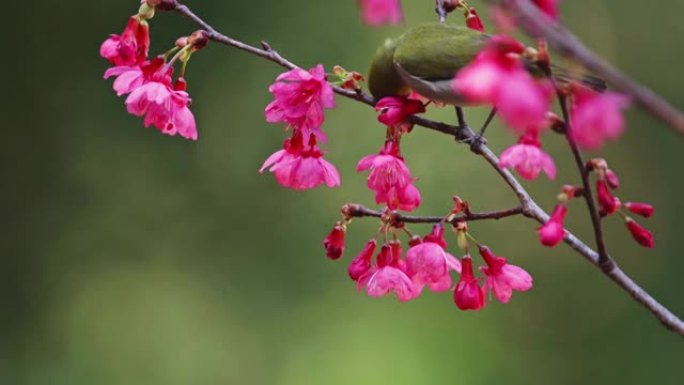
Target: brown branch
[
  {"x": 605, "y": 261},
  {"x": 538, "y": 25},
  {"x": 463, "y": 133},
  {"x": 355, "y": 210}
]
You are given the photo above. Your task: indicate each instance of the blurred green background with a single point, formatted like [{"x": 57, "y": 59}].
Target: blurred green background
[{"x": 129, "y": 257}]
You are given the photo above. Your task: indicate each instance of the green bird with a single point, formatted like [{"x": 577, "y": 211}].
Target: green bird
[{"x": 426, "y": 58}]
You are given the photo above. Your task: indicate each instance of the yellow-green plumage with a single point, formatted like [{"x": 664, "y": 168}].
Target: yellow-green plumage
[{"x": 433, "y": 52}]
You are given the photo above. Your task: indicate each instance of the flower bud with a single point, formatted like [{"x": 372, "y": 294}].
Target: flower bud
[
  {"x": 362, "y": 263},
  {"x": 468, "y": 294},
  {"x": 608, "y": 204},
  {"x": 612, "y": 179},
  {"x": 552, "y": 232},
  {"x": 334, "y": 242},
  {"x": 473, "y": 21},
  {"x": 640, "y": 234},
  {"x": 640, "y": 208}
]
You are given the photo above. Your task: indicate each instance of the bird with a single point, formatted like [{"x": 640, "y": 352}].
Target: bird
[{"x": 426, "y": 58}]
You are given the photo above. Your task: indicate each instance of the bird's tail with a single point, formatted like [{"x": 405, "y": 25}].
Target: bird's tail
[{"x": 565, "y": 76}]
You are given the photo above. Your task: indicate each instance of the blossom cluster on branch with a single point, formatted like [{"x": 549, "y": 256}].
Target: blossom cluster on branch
[{"x": 519, "y": 82}]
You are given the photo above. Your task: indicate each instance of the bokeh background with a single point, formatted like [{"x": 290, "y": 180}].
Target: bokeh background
[{"x": 128, "y": 257}]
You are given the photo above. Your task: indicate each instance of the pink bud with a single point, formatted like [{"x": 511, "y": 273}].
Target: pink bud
[
  {"x": 362, "y": 263},
  {"x": 608, "y": 204},
  {"x": 334, "y": 242},
  {"x": 640, "y": 234},
  {"x": 640, "y": 208},
  {"x": 612, "y": 179},
  {"x": 552, "y": 232},
  {"x": 468, "y": 294},
  {"x": 393, "y": 110},
  {"x": 473, "y": 21}
]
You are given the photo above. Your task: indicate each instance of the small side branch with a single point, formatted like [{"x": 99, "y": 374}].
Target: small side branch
[{"x": 354, "y": 210}]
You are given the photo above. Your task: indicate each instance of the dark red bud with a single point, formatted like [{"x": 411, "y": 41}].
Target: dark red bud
[
  {"x": 640, "y": 234},
  {"x": 644, "y": 209},
  {"x": 334, "y": 242}
]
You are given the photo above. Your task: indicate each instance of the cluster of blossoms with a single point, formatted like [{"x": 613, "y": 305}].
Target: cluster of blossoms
[
  {"x": 381, "y": 12},
  {"x": 426, "y": 263},
  {"x": 152, "y": 92}
]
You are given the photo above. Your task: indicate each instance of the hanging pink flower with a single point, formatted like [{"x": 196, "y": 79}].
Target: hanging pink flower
[
  {"x": 552, "y": 232},
  {"x": 334, "y": 242},
  {"x": 379, "y": 12},
  {"x": 362, "y": 263},
  {"x": 129, "y": 48},
  {"x": 473, "y": 20},
  {"x": 528, "y": 159},
  {"x": 596, "y": 117},
  {"x": 468, "y": 294},
  {"x": 299, "y": 99},
  {"x": 385, "y": 280},
  {"x": 639, "y": 233},
  {"x": 390, "y": 178},
  {"x": 393, "y": 110},
  {"x": 498, "y": 77},
  {"x": 427, "y": 263},
  {"x": 299, "y": 167},
  {"x": 502, "y": 277},
  {"x": 127, "y": 78}
]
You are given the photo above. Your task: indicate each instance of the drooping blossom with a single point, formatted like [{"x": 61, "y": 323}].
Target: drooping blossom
[
  {"x": 162, "y": 105},
  {"x": 334, "y": 242},
  {"x": 388, "y": 275},
  {"x": 128, "y": 78},
  {"x": 393, "y": 110},
  {"x": 301, "y": 167},
  {"x": 612, "y": 179},
  {"x": 427, "y": 263},
  {"x": 502, "y": 277},
  {"x": 299, "y": 98},
  {"x": 552, "y": 232},
  {"x": 379, "y": 12},
  {"x": 473, "y": 20},
  {"x": 644, "y": 209},
  {"x": 528, "y": 159},
  {"x": 362, "y": 263},
  {"x": 608, "y": 203},
  {"x": 468, "y": 294},
  {"x": 498, "y": 77},
  {"x": 549, "y": 7},
  {"x": 639, "y": 233},
  {"x": 596, "y": 117},
  {"x": 129, "y": 48},
  {"x": 390, "y": 178}
]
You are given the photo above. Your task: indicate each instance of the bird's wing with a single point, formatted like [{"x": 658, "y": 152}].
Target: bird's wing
[
  {"x": 437, "y": 90},
  {"x": 437, "y": 52}
]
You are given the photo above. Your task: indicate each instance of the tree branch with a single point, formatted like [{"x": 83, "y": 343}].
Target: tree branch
[
  {"x": 354, "y": 210},
  {"x": 538, "y": 25},
  {"x": 463, "y": 133}
]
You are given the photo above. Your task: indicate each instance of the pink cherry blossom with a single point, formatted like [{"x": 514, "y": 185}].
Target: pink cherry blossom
[
  {"x": 528, "y": 159},
  {"x": 362, "y": 263},
  {"x": 498, "y": 77},
  {"x": 596, "y": 117},
  {"x": 639, "y": 233},
  {"x": 379, "y": 12},
  {"x": 384, "y": 280},
  {"x": 301, "y": 168},
  {"x": 468, "y": 294},
  {"x": 390, "y": 178},
  {"x": 334, "y": 242},
  {"x": 127, "y": 78},
  {"x": 129, "y": 48},
  {"x": 428, "y": 264},
  {"x": 502, "y": 277},
  {"x": 299, "y": 99},
  {"x": 552, "y": 232},
  {"x": 393, "y": 110}
]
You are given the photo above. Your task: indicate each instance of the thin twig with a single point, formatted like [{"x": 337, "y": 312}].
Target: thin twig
[
  {"x": 605, "y": 261},
  {"x": 538, "y": 25},
  {"x": 528, "y": 206},
  {"x": 355, "y": 210}
]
